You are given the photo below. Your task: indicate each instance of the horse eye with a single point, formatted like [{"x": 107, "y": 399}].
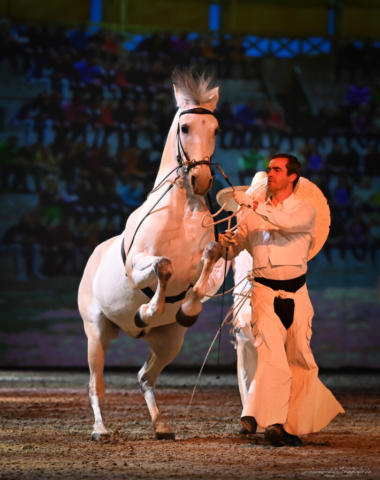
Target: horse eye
[{"x": 185, "y": 129}]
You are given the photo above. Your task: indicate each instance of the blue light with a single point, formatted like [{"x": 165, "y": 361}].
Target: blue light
[
  {"x": 214, "y": 17},
  {"x": 331, "y": 22},
  {"x": 254, "y": 52},
  {"x": 132, "y": 43},
  {"x": 326, "y": 46},
  {"x": 96, "y": 11}
]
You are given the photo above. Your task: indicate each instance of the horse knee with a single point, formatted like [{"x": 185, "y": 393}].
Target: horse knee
[
  {"x": 212, "y": 252},
  {"x": 163, "y": 269}
]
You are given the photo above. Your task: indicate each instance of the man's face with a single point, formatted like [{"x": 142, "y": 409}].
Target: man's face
[{"x": 278, "y": 178}]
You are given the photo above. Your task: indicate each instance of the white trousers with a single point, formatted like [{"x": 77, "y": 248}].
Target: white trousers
[{"x": 278, "y": 376}]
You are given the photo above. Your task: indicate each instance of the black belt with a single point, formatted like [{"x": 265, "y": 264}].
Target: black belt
[
  {"x": 284, "y": 307},
  {"x": 148, "y": 291},
  {"x": 291, "y": 285}
]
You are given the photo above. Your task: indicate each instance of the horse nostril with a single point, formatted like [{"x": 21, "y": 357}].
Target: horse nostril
[{"x": 194, "y": 183}]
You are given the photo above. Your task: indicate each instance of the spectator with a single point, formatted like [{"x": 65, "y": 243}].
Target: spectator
[
  {"x": 360, "y": 126},
  {"x": 132, "y": 193},
  {"x": 372, "y": 162},
  {"x": 315, "y": 164},
  {"x": 247, "y": 117},
  {"x": 76, "y": 117},
  {"x": 336, "y": 238},
  {"x": 352, "y": 162},
  {"x": 357, "y": 237},
  {"x": 374, "y": 236},
  {"x": 342, "y": 197},
  {"x": 363, "y": 194},
  {"x": 108, "y": 124},
  {"x": 227, "y": 124},
  {"x": 123, "y": 116},
  {"x": 12, "y": 165},
  {"x": 358, "y": 95},
  {"x": 90, "y": 75},
  {"x": 64, "y": 248},
  {"x": 336, "y": 161}
]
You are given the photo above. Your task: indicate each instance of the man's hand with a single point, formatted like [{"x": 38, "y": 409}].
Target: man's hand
[
  {"x": 243, "y": 199},
  {"x": 227, "y": 239}
]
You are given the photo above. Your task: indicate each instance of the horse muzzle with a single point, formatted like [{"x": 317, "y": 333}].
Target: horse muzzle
[{"x": 200, "y": 182}]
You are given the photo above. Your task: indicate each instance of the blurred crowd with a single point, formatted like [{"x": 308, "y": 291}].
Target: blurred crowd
[{"x": 92, "y": 141}]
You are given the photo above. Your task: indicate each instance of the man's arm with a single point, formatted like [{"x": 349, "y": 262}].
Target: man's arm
[
  {"x": 302, "y": 220},
  {"x": 235, "y": 242}
]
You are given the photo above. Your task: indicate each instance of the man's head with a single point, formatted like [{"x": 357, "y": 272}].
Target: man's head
[{"x": 284, "y": 171}]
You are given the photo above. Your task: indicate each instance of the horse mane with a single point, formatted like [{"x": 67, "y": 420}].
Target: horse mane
[{"x": 196, "y": 89}]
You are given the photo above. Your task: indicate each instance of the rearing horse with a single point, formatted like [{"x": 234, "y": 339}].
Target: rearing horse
[{"x": 150, "y": 280}]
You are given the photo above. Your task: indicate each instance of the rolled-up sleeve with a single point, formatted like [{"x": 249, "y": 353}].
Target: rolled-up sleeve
[{"x": 301, "y": 220}]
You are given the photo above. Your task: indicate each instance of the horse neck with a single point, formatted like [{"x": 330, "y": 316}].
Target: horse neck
[{"x": 169, "y": 157}]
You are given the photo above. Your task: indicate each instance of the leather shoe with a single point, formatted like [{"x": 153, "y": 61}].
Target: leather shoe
[
  {"x": 291, "y": 440},
  {"x": 249, "y": 423},
  {"x": 275, "y": 434}
]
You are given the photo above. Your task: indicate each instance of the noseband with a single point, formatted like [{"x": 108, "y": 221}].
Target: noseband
[{"x": 189, "y": 164}]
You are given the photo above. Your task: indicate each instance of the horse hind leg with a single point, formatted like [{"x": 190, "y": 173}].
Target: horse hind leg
[
  {"x": 166, "y": 341},
  {"x": 99, "y": 335},
  {"x": 160, "y": 268},
  {"x": 188, "y": 314}
]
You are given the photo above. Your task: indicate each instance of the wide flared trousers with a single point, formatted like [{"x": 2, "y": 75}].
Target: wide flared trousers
[{"x": 285, "y": 388}]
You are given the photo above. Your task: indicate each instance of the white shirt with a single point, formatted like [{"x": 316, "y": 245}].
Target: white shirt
[{"x": 278, "y": 238}]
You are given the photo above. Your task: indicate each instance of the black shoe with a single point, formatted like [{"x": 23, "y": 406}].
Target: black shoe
[
  {"x": 244, "y": 431},
  {"x": 275, "y": 435},
  {"x": 249, "y": 423},
  {"x": 292, "y": 440}
]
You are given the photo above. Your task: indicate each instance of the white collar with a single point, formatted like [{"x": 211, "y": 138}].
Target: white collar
[{"x": 288, "y": 201}]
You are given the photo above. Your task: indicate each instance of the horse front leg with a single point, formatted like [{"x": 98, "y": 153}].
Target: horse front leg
[
  {"x": 188, "y": 314},
  {"x": 146, "y": 269}
]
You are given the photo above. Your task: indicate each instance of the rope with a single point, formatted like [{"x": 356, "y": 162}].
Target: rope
[
  {"x": 222, "y": 307},
  {"x": 228, "y": 291},
  {"x": 239, "y": 306}
]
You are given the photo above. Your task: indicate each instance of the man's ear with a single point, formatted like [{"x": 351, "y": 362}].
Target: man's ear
[
  {"x": 293, "y": 178},
  {"x": 181, "y": 100}
]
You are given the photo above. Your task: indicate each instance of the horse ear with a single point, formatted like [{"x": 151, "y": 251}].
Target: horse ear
[
  {"x": 181, "y": 101},
  {"x": 214, "y": 97}
]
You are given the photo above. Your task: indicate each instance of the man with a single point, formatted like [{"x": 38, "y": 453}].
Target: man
[{"x": 285, "y": 397}]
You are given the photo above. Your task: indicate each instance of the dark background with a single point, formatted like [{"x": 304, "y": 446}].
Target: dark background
[{"x": 85, "y": 106}]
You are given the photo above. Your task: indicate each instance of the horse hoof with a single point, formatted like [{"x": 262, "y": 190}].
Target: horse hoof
[
  {"x": 186, "y": 320},
  {"x": 98, "y": 437},
  {"x": 139, "y": 322},
  {"x": 165, "y": 435}
]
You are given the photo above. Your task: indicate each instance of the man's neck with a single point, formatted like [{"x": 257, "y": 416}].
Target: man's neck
[{"x": 281, "y": 195}]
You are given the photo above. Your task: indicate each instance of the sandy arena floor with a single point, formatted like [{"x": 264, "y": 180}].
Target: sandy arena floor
[{"x": 46, "y": 419}]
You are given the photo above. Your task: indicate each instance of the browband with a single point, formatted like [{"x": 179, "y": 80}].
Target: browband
[{"x": 199, "y": 111}]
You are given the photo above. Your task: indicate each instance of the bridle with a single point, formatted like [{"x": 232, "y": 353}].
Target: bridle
[{"x": 187, "y": 163}]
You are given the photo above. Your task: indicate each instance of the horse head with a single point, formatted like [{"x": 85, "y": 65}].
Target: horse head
[{"x": 197, "y": 129}]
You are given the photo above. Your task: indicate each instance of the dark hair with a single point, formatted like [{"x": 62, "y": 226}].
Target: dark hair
[{"x": 293, "y": 165}]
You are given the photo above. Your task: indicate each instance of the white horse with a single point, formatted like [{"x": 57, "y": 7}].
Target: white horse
[{"x": 167, "y": 251}]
